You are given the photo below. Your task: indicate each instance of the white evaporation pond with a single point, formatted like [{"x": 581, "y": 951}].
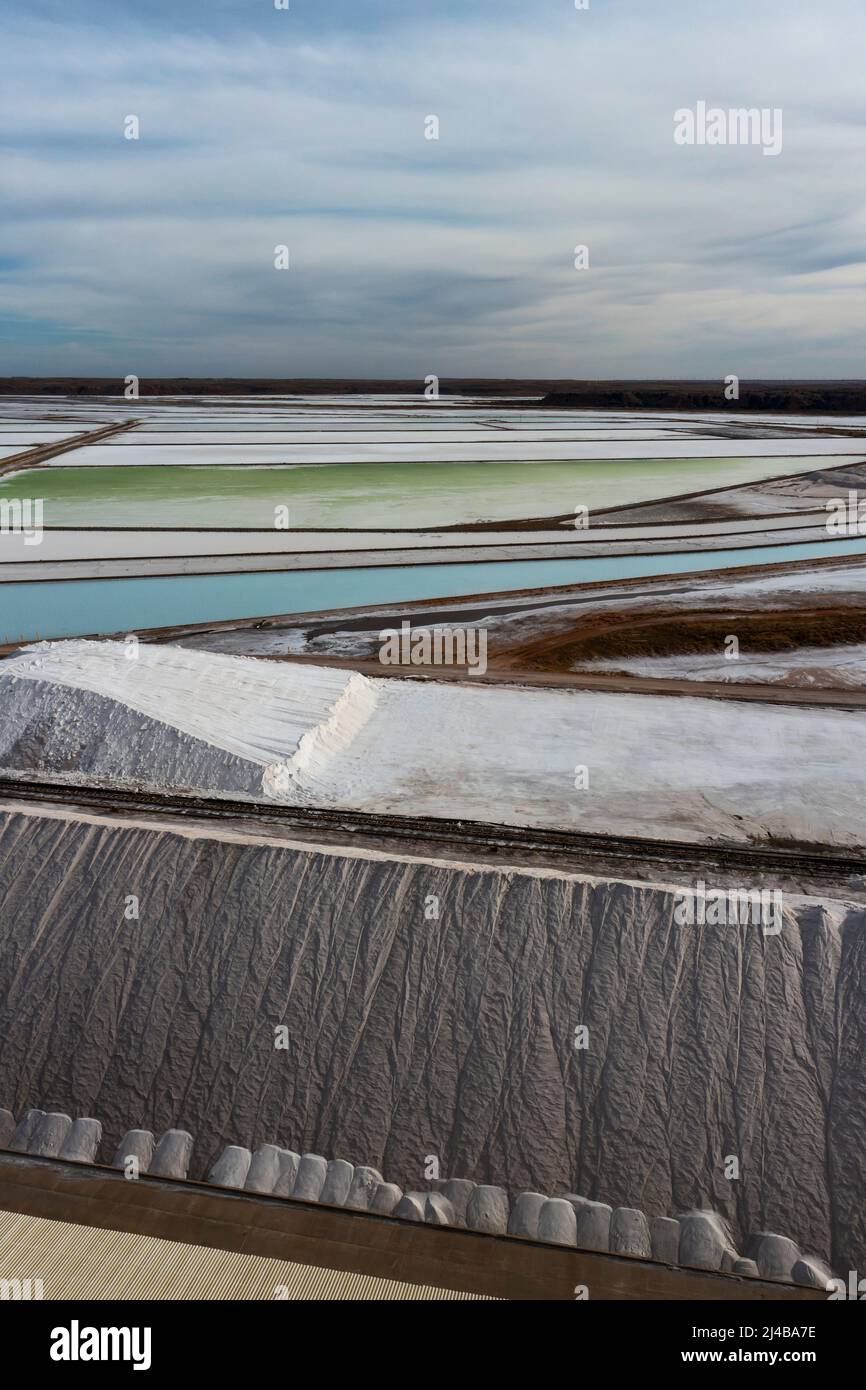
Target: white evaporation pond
[{"x": 111, "y": 453}]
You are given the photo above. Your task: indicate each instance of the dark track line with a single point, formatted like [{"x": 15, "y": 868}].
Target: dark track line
[
  {"x": 455, "y": 836},
  {"x": 41, "y": 454}
]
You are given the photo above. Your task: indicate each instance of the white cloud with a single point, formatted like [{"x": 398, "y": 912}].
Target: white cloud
[{"x": 454, "y": 256}]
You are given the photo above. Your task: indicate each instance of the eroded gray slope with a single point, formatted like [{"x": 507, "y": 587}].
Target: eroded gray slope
[
  {"x": 46, "y": 728},
  {"x": 453, "y": 1037}
]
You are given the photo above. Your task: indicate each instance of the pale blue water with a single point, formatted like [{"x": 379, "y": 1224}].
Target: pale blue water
[{"x": 101, "y": 606}]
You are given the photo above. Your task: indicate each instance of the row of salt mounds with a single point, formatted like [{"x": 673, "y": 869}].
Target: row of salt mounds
[
  {"x": 695, "y": 1239},
  {"x": 256, "y": 710}
]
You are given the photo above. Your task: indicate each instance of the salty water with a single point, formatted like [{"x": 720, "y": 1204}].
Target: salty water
[
  {"x": 104, "y": 606},
  {"x": 372, "y": 496}
]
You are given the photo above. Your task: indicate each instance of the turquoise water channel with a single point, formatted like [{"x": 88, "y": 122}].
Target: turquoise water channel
[{"x": 98, "y": 607}]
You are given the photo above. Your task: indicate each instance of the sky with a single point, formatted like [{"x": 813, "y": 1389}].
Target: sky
[{"x": 305, "y": 127}]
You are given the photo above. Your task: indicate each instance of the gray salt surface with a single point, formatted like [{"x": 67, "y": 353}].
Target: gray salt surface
[
  {"x": 312, "y": 1173},
  {"x": 338, "y": 1181},
  {"x": 630, "y": 1233},
  {"x": 703, "y": 1240},
  {"x": 231, "y": 1168},
  {"x": 665, "y": 1239},
  {"x": 22, "y": 1136},
  {"x": 366, "y": 1182},
  {"x": 487, "y": 1210},
  {"x": 50, "y": 1134},
  {"x": 81, "y": 1144},
  {"x": 411, "y": 1207},
  {"x": 137, "y": 1144},
  {"x": 172, "y": 1155},
  {"x": 288, "y": 1171},
  {"x": 386, "y": 1199},
  {"x": 264, "y": 1170},
  {"x": 593, "y": 1227},
  {"x": 523, "y": 1219},
  {"x": 557, "y": 1222}
]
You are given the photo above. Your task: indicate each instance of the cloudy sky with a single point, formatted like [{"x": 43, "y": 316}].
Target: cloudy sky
[{"x": 409, "y": 256}]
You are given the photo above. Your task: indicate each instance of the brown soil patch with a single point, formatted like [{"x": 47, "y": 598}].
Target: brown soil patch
[{"x": 628, "y": 636}]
